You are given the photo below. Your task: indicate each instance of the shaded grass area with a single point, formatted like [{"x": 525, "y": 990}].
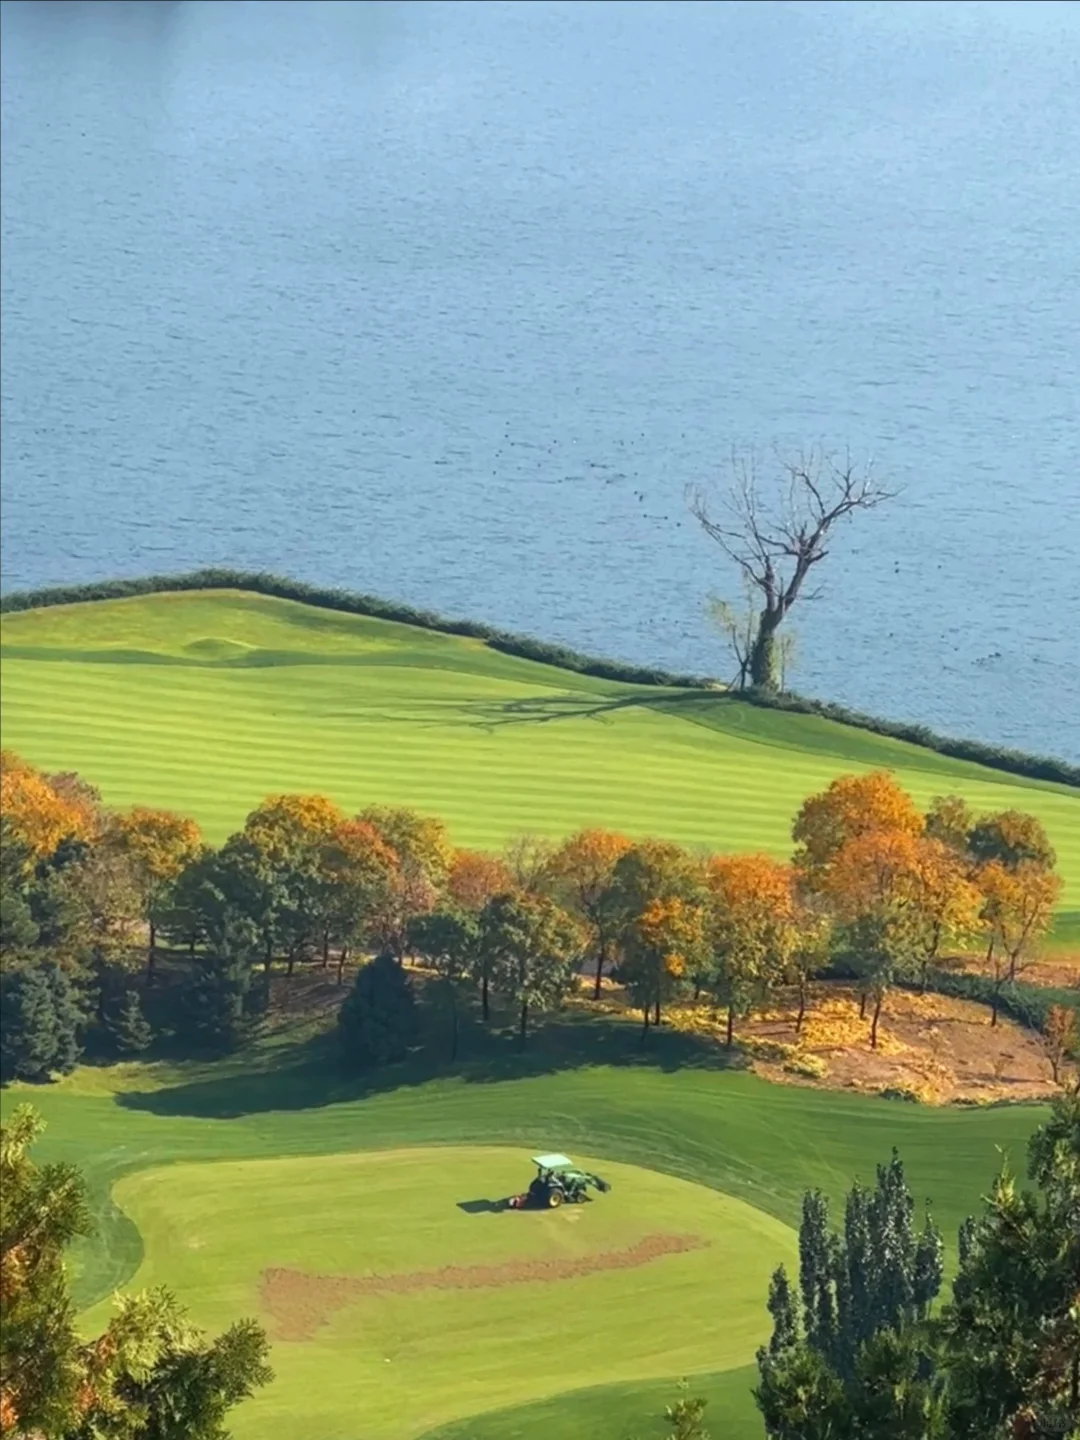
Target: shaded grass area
[
  {"x": 204, "y": 702},
  {"x": 620, "y": 1412}
]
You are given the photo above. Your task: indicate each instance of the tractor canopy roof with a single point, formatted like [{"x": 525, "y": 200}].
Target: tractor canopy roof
[{"x": 552, "y": 1162}]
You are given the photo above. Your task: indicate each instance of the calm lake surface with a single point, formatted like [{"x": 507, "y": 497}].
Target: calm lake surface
[{"x": 449, "y": 302}]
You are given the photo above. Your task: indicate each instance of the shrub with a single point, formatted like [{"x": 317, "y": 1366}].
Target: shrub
[
  {"x": 1028, "y": 1005},
  {"x": 39, "y": 1023},
  {"x": 813, "y": 1067},
  {"x": 899, "y": 1092},
  {"x": 377, "y": 1022}
]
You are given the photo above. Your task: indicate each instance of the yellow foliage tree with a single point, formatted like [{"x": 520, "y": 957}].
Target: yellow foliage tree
[
  {"x": 754, "y": 929},
  {"x": 1017, "y": 908},
  {"x": 159, "y": 844},
  {"x": 581, "y": 871},
  {"x": 37, "y": 816},
  {"x": 662, "y": 945}
]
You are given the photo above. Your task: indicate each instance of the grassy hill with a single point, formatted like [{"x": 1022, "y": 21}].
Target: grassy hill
[{"x": 206, "y": 701}]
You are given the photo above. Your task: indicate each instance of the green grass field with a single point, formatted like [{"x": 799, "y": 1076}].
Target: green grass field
[
  {"x": 205, "y": 1176},
  {"x": 216, "y": 1172},
  {"x": 205, "y": 702}
]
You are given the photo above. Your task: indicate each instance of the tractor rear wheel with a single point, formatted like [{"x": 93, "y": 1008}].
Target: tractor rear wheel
[{"x": 555, "y": 1199}]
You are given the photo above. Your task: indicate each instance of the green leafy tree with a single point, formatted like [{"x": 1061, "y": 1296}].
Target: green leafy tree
[
  {"x": 149, "y": 1376},
  {"x": 18, "y": 930},
  {"x": 377, "y": 1022},
  {"x": 131, "y": 1032},
  {"x": 686, "y": 1416},
  {"x": 449, "y": 942},
  {"x": 40, "y": 1019},
  {"x": 533, "y": 947}
]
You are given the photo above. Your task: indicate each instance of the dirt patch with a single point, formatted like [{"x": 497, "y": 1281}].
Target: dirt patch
[
  {"x": 937, "y": 1048},
  {"x": 298, "y": 1304}
]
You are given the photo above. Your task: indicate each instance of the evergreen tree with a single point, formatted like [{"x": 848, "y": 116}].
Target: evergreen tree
[
  {"x": 131, "y": 1032},
  {"x": 39, "y": 1022},
  {"x": 377, "y": 1022},
  {"x": 150, "y": 1376},
  {"x": 847, "y": 1355},
  {"x": 217, "y": 1008},
  {"x": 1011, "y": 1336},
  {"x": 18, "y": 931}
]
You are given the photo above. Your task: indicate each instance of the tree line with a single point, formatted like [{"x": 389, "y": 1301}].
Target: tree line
[{"x": 874, "y": 889}]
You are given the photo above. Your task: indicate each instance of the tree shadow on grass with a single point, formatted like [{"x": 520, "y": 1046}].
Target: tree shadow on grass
[{"x": 310, "y": 1075}]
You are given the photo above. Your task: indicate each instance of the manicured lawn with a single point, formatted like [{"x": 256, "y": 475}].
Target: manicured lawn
[
  {"x": 205, "y": 702},
  {"x": 208, "y": 1229},
  {"x": 422, "y": 1356}
]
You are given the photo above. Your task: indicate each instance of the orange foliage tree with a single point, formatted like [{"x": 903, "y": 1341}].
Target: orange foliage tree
[
  {"x": 753, "y": 928},
  {"x": 159, "y": 844},
  {"x": 424, "y": 857},
  {"x": 474, "y": 878},
  {"x": 581, "y": 871},
  {"x": 357, "y": 872},
  {"x": 1017, "y": 908},
  {"x": 851, "y": 806},
  {"x": 653, "y": 870},
  {"x": 1059, "y": 1037}
]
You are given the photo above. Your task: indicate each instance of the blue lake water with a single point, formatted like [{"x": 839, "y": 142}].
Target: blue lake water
[{"x": 449, "y": 302}]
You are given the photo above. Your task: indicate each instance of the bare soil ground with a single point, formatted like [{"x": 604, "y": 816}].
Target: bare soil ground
[
  {"x": 931, "y": 1047},
  {"x": 299, "y": 1304}
]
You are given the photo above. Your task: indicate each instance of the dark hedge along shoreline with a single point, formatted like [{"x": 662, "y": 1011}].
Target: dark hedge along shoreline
[{"x": 1014, "y": 762}]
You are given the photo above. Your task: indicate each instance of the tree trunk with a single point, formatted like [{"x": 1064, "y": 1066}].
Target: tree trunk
[
  {"x": 524, "y": 1023},
  {"x": 600, "y": 958},
  {"x": 484, "y": 996},
  {"x": 802, "y": 1008},
  {"x": 453, "y": 1025},
  {"x": 762, "y": 665},
  {"x": 656, "y": 1014},
  {"x": 151, "y": 954},
  {"x": 191, "y": 946},
  {"x": 862, "y": 1006},
  {"x": 342, "y": 957},
  {"x": 325, "y": 949},
  {"x": 291, "y": 964},
  {"x": 268, "y": 956},
  {"x": 730, "y": 1026},
  {"x": 645, "y": 1027},
  {"x": 874, "y": 1023},
  {"x": 995, "y": 999}
]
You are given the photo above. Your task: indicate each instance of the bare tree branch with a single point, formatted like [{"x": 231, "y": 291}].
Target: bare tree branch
[{"x": 776, "y": 532}]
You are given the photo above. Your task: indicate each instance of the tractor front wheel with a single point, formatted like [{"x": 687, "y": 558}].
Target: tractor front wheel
[{"x": 554, "y": 1199}]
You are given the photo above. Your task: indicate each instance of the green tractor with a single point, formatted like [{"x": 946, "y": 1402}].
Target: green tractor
[{"x": 558, "y": 1182}]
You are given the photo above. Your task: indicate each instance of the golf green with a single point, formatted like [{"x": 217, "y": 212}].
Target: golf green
[
  {"x": 205, "y": 1176},
  {"x": 386, "y": 1276},
  {"x": 204, "y": 702}
]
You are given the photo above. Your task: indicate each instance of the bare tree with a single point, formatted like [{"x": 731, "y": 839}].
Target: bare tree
[{"x": 776, "y": 532}]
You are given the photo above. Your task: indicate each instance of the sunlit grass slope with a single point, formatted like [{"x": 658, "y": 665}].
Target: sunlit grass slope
[{"x": 207, "y": 701}]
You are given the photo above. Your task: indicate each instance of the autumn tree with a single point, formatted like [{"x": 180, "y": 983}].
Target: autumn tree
[
  {"x": 581, "y": 871},
  {"x": 40, "y": 816},
  {"x": 424, "y": 857},
  {"x": 660, "y": 947},
  {"x": 1060, "y": 1037},
  {"x": 950, "y": 820},
  {"x": 449, "y": 942},
  {"x": 474, "y": 878},
  {"x": 532, "y": 946},
  {"x": 356, "y": 873},
  {"x": 777, "y": 530},
  {"x": 1012, "y": 839},
  {"x": 809, "y": 952},
  {"x": 528, "y": 859},
  {"x": 288, "y": 834},
  {"x": 1017, "y": 909},
  {"x": 160, "y": 845},
  {"x": 752, "y": 929},
  {"x": 851, "y": 806},
  {"x": 649, "y": 872}
]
